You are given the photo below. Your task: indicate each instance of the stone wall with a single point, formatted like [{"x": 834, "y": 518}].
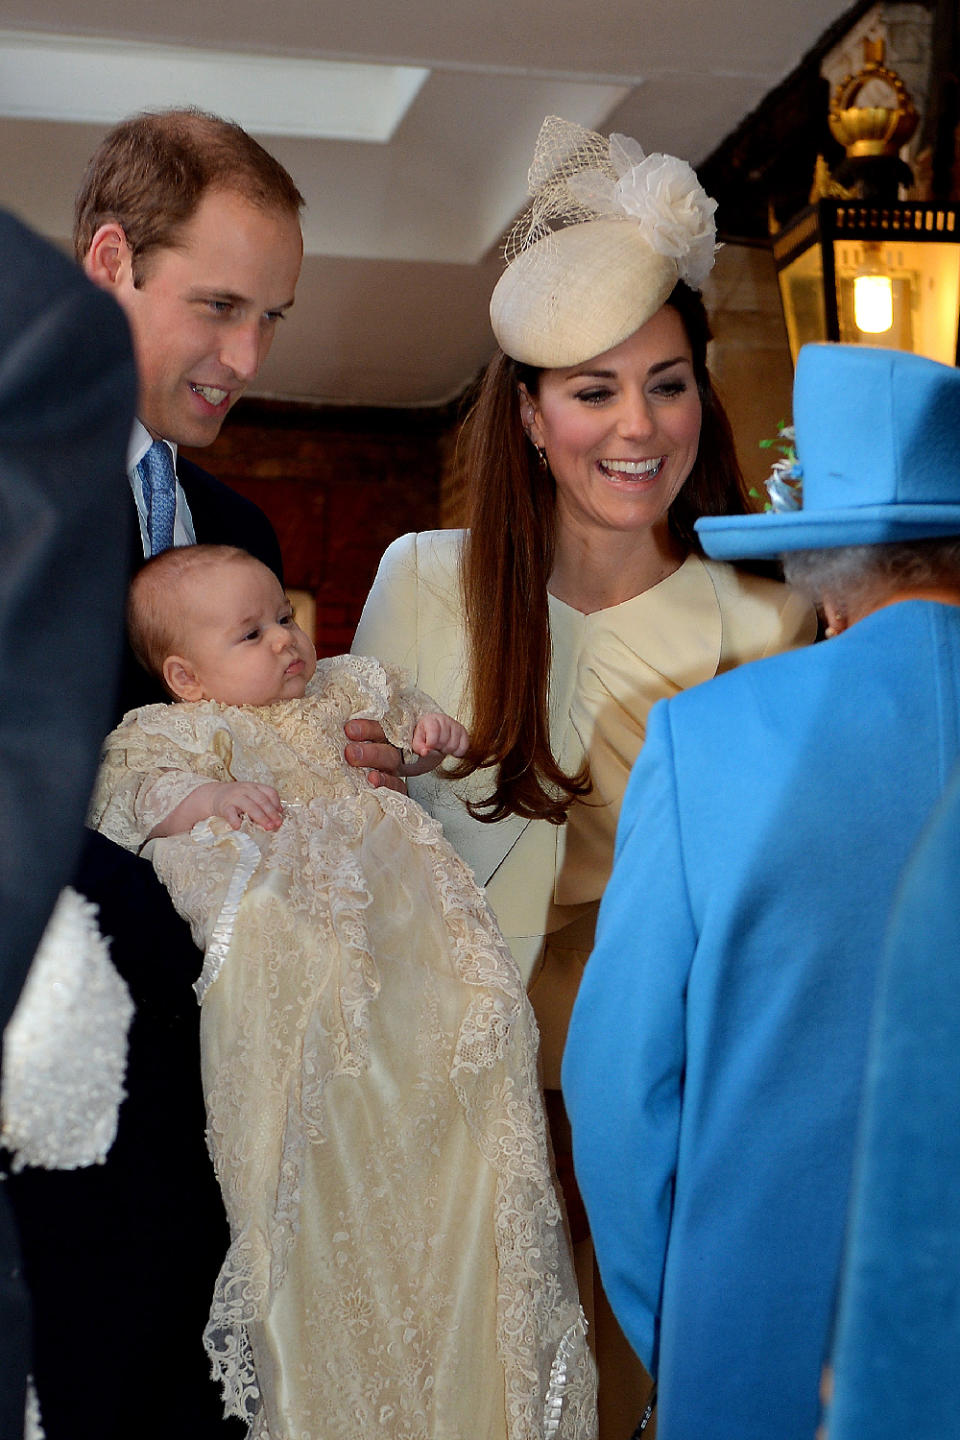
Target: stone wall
[{"x": 749, "y": 356}]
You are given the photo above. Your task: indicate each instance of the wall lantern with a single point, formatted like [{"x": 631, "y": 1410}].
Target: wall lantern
[{"x": 858, "y": 264}]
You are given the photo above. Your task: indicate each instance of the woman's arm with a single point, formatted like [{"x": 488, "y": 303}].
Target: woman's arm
[
  {"x": 387, "y": 631},
  {"x": 626, "y": 1049},
  {"x": 388, "y": 628}
]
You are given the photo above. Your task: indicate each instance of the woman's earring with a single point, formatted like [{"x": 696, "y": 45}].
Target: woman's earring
[{"x": 541, "y": 452}]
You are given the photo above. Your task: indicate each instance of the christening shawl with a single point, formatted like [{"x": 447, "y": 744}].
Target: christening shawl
[{"x": 398, "y": 1264}]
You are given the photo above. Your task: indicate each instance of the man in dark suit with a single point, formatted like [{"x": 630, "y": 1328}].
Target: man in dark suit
[
  {"x": 193, "y": 229},
  {"x": 67, "y": 390}
]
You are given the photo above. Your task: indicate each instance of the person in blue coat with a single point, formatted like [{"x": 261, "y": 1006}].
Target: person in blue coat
[
  {"x": 898, "y": 1335},
  {"x": 715, "y": 1059}
]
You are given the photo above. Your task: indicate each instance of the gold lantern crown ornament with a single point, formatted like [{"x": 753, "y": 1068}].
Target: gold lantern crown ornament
[
  {"x": 860, "y": 265},
  {"x": 872, "y": 130}
]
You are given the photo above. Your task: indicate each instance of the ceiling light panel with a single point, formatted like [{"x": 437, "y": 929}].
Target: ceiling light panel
[{"x": 98, "y": 82}]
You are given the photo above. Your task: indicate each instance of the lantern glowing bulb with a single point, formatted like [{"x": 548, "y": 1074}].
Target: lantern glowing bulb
[
  {"x": 873, "y": 303},
  {"x": 872, "y": 294}
]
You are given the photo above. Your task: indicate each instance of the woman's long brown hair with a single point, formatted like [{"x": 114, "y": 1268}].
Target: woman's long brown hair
[{"x": 506, "y": 564}]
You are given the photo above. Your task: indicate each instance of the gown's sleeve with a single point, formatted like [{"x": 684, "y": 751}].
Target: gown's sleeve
[
  {"x": 143, "y": 777},
  {"x": 406, "y": 706},
  {"x": 624, "y": 1059},
  {"x": 378, "y": 692}
]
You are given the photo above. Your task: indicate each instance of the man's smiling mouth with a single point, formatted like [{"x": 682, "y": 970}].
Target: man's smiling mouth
[{"x": 211, "y": 393}]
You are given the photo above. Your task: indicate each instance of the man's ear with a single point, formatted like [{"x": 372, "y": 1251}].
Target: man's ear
[
  {"x": 109, "y": 258},
  {"x": 529, "y": 415},
  {"x": 181, "y": 679}
]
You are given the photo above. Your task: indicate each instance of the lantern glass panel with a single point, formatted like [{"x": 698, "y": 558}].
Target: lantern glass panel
[
  {"x": 801, "y": 291},
  {"x": 925, "y": 281}
]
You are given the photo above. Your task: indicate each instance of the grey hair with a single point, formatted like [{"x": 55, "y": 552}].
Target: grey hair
[{"x": 860, "y": 576}]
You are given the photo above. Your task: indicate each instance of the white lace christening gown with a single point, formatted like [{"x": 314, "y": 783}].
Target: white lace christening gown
[{"x": 398, "y": 1264}]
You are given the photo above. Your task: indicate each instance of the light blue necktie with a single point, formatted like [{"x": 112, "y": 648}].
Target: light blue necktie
[{"x": 159, "y": 482}]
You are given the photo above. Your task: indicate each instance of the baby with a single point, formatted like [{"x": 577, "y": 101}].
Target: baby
[
  {"x": 242, "y": 646},
  {"x": 398, "y": 1263}
]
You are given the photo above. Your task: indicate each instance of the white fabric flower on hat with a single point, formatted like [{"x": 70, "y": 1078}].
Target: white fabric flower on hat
[{"x": 664, "y": 195}]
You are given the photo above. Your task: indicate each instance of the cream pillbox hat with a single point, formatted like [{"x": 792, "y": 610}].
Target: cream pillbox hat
[{"x": 630, "y": 226}]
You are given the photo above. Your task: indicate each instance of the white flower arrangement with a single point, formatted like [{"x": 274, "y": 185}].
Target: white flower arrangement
[
  {"x": 784, "y": 484},
  {"x": 664, "y": 195}
]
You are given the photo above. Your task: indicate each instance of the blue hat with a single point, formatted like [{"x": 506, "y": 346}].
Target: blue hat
[{"x": 878, "y": 449}]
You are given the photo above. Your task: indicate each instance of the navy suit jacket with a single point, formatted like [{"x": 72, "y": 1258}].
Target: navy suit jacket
[
  {"x": 716, "y": 1052},
  {"x": 67, "y": 390}
]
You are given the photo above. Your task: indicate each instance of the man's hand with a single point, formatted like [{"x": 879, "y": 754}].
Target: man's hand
[{"x": 371, "y": 750}]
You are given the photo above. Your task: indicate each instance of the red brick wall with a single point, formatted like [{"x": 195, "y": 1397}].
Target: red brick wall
[{"x": 338, "y": 485}]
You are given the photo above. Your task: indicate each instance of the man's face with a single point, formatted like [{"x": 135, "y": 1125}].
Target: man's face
[{"x": 204, "y": 316}]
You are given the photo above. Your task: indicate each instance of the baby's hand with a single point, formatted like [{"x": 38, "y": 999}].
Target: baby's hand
[
  {"x": 434, "y": 736},
  {"x": 260, "y": 803}
]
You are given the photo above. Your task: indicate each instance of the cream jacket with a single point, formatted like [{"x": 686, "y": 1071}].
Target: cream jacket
[{"x": 608, "y": 670}]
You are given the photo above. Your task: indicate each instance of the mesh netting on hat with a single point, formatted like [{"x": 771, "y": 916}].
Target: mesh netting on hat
[
  {"x": 578, "y": 175},
  {"x": 563, "y": 150}
]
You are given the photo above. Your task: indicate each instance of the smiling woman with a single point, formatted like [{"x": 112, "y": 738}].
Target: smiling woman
[
  {"x": 620, "y": 435},
  {"x": 580, "y": 594}
]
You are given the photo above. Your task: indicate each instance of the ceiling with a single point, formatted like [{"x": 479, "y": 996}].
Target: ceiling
[{"x": 402, "y": 235}]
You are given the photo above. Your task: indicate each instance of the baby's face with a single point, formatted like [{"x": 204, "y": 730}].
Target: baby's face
[{"x": 243, "y": 644}]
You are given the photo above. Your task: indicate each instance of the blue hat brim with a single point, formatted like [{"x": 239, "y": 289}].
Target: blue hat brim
[{"x": 763, "y": 537}]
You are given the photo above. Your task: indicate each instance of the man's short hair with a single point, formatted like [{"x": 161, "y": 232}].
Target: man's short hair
[{"x": 151, "y": 172}]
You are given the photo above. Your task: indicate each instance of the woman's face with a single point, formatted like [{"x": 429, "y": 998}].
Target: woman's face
[{"x": 620, "y": 431}]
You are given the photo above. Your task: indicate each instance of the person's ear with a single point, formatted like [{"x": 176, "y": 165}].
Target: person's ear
[
  {"x": 530, "y": 416},
  {"x": 109, "y": 258},
  {"x": 836, "y": 618},
  {"x": 181, "y": 678}
]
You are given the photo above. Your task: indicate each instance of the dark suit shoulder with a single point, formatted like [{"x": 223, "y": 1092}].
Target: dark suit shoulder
[
  {"x": 223, "y": 517},
  {"x": 42, "y": 271},
  {"x": 54, "y": 321}
]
